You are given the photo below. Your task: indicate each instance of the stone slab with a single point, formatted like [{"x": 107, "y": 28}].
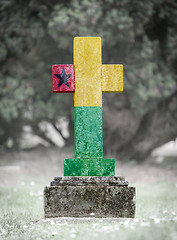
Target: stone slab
[
  {"x": 96, "y": 198},
  {"x": 89, "y": 167},
  {"x": 87, "y": 180}
]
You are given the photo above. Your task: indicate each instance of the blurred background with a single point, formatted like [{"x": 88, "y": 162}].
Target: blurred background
[{"x": 141, "y": 35}]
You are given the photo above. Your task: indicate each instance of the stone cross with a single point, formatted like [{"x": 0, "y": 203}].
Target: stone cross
[{"x": 88, "y": 78}]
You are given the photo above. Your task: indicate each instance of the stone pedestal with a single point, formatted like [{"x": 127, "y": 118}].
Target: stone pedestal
[{"x": 89, "y": 197}]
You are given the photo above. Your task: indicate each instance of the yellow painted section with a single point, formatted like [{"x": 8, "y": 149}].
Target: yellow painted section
[
  {"x": 112, "y": 78},
  {"x": 87, "y": 62}
]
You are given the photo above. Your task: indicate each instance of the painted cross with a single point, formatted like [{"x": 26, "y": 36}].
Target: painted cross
[{"x": 88, "y": 78}]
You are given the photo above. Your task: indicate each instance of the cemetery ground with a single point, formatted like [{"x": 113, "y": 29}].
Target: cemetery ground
[{"x": 24, "y": 174}]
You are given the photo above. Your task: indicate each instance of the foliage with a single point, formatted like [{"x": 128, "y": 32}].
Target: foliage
[{"x": 36, "y": 34}]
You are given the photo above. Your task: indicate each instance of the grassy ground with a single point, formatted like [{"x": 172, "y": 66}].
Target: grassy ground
[{"x": 21, "y": 203}]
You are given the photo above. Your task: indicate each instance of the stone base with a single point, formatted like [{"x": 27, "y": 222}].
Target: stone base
[
  {"x": 89, "y": 167},
  {"x": 106, "y": 197}
]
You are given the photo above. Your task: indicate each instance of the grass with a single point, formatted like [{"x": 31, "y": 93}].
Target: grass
[
  {"x": 21, "y": 202},
  {"x": 21, "y": 216}
]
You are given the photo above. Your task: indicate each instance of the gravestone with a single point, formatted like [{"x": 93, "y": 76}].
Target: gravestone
[{"x": 89, "y": 187}]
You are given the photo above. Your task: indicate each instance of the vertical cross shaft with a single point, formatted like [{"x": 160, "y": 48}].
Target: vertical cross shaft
[{"x": 88, "y": 98}]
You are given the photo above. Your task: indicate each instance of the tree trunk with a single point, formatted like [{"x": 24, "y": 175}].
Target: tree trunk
[{"x": 156, "y": 127}]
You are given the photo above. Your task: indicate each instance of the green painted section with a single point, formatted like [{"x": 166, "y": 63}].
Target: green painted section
[
  {"x": 88, "y": 159},
  {"x": 88, "y": 132},
  {"x": 89, "y": 167}
]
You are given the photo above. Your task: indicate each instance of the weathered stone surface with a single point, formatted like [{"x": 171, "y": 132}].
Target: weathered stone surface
[
  {"x": 89, "y": 180},
  {"x": 91, "y": 197},
  {"x": 89, "y": 167}
]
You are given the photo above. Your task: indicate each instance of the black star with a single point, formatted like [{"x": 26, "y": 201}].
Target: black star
[{"x": 63, "y": 78}]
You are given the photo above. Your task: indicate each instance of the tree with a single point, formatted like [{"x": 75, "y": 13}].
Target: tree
[{"x": 141, "y": 35}]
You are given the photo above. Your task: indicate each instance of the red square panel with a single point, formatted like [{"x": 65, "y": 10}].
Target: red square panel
[{"x": 63, "y": 77}]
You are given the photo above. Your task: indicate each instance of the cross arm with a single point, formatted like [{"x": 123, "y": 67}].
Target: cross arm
[
  {"x": 112, "y": 78},
  {"x": 63, "y": 78}
]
